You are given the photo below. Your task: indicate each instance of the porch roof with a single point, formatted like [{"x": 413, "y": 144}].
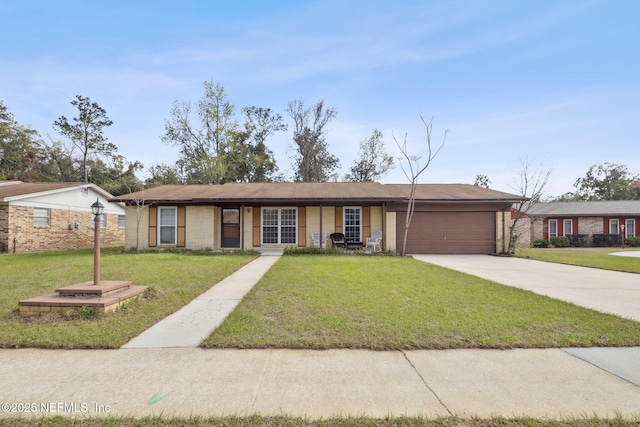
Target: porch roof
[{"x": 326, "y": 192}]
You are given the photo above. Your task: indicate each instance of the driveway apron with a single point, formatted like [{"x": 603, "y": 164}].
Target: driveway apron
[{"x": 603, "y": 290}]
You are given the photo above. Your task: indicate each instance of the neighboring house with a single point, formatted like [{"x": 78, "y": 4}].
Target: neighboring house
[
  {"x": 36, "y": 217},
  {"x": 593, "y": 223},
  {"x": 449, "y": 218}
]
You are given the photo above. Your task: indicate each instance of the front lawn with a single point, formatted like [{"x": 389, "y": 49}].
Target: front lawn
[
  {"x": 587, "y": 257},
  {"x": 388, "y": 303},
  {"x": 174, "y": 280}
]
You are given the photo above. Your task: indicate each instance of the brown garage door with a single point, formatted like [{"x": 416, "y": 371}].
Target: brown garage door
[{"x": 448, "y": 232}]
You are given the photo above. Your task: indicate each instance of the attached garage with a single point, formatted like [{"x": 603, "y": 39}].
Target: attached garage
[
  {"x": 448, "y": 232},
  {"x": 448, "y": 219}
]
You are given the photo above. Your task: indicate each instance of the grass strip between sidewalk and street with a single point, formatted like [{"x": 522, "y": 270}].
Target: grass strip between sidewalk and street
[
  {"x": 173, "y": 279},
  {"x": 284, "y": 421},
  {"x": 586, "y": 257},
  {"x": 392, "y": 303}
]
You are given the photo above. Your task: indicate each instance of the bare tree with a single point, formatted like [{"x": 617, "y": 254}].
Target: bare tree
[
  {"x": 311, "y": 158},
  {"x": 529, "y": 182},
  {"x": 139, "y": 204},
  {"x": 413, "y": 170}
]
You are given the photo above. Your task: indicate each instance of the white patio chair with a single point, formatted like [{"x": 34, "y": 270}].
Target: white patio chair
[
  {"x": 374, "y": 241},
  {"x": 317, "y": 241}
]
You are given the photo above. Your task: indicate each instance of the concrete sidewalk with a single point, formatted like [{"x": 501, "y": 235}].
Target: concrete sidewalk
[
  {"x": 195, "y": 382},
  {"x": 194, "y": 322}
]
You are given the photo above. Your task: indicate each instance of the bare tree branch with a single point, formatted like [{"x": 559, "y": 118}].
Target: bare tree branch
[
  {"x": 415, "y": 170},
  {"x": 529, "y": 182}
]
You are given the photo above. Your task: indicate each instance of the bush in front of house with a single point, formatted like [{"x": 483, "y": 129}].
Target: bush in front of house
[
  {"x": 307, "y": 250},
  {"x": 560, "y": 242},
  {"x": 632, "y": 241},
  {"x": 541, "y": 243}
]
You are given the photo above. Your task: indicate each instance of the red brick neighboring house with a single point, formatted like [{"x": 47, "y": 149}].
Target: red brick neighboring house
[
  {"x": 590, "y": 223},
  {"x": 37, "y": 217}
]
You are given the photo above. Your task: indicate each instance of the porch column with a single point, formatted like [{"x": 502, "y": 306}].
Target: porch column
[{"x": 321, "y": 242}]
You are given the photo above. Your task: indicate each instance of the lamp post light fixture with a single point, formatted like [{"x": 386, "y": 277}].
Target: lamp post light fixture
[{"x": 96, "y": 209}]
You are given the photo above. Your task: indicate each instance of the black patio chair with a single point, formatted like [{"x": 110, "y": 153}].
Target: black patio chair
[{"x": 338, "y": 240}]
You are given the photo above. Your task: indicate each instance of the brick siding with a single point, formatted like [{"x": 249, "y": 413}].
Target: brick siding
[
  {"x": 16, "y": 224},
  {"x": 4, "y": 228}
]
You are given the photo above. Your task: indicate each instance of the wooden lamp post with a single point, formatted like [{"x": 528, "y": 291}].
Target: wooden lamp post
[{"x": 96, "y": 209}]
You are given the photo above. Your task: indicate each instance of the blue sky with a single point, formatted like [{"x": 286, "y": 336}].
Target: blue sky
[{"x": 557, "y": 82}]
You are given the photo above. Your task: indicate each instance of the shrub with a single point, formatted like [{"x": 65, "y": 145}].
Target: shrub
[
  {"x": 560, "y": 242},
  {"x": 541, "y": 243},
  {"x": 293, "y": 250},
  {"x": 198, "y": 252},
  {"x": 632, "y": 241}
]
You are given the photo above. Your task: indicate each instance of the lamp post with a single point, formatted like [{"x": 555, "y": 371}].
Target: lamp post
[{"x": 96, "y": 209}]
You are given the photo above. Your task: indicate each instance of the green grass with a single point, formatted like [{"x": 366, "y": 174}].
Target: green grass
[
  {"x": 389, "y": 303},
  {"x": 330, "y": 422},
  {"x": 174, "y": 280},
  {"x": 587, "y": 257}
]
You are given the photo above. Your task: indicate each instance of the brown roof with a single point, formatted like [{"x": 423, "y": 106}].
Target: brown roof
[
  {"x": 319, "y": 192},
  {"x": 18, "y": 188},
  {"x": 451, "y": 192}
]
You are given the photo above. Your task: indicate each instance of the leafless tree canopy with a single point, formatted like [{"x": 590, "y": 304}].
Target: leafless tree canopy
[
  {"x": 412, "y": 167},
  {"x": 530, "y": 182},
  {"x": 311, "y": 159}
]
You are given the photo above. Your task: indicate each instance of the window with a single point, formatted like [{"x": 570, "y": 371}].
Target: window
[
  {"x": 630, "y": 228},
  {"x": 167, "y": 220},
  {"x": 568, "y": 226},
  {"x": 614, "y": 226},
  {"x": 353, "y": 224},
  {"x": 553, "y": 228},
  {"x": 41, "y": 217},
  {"x": 279, "y": 226},
  {"x": 121, "y": 221}
]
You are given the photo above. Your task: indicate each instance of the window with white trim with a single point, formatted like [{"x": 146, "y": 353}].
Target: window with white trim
[
  {"x": 121, "y": 221},
  {"x": 41, "y": 217},
  {"x": 630, "y": 228},
  {"x": 614, "y": 226},
  {"x": 279, "y": 226},
  {"x": 553, "y": 228},
  {"x": 167, "y": 225},
  {"x": 568, "y": 226},
  {"x": 352, "y": 223}
]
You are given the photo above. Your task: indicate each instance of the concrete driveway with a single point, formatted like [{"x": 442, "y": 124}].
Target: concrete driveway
[{"x": 607, "y": 291}]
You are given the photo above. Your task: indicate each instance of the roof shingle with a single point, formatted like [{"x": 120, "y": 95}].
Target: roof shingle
[
  {"x": 326, "y": 191},
  {"x": 17, "y": 188},
  {"x": 586, "y": 208}
]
